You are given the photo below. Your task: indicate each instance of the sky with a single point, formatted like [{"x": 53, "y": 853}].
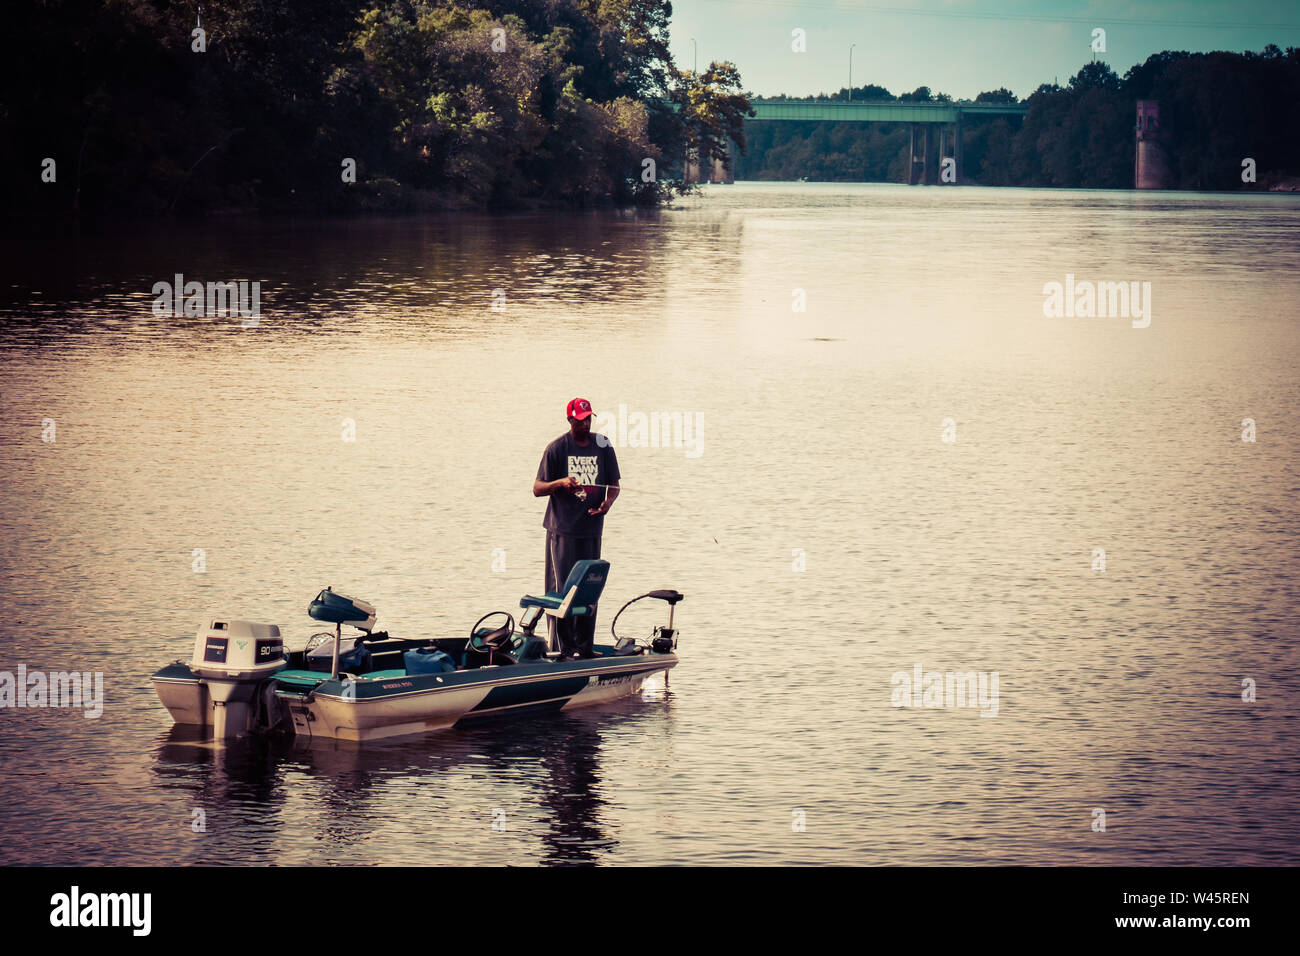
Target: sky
[{"x": 959, "y": 47}]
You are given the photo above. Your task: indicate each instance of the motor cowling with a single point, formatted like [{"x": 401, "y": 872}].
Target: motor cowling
[
  {"x": 237, "y": 650},
  {"x": 233, "y": 660}
]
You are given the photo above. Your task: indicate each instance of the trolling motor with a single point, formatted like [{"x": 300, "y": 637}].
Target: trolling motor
[
  {"x": 663, "y": 638},
  {"x": 339, "y": 609}
]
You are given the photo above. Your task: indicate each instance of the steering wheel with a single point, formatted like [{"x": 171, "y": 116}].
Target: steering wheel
[{"x": 494, "y": 640}]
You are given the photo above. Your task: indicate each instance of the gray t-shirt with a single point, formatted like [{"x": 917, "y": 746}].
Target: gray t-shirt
[{"x": 566, "y": 512}]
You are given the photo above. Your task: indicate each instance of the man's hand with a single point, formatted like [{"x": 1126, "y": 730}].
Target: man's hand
[
  {"x": 551, "y": 487},
  {"x": 611, "y": 494}
]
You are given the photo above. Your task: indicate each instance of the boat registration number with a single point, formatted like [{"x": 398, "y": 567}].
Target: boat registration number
[{"x": 610, "y": 679}]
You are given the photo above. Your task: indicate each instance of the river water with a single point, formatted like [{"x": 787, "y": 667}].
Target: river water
[{"x": 896, "y": 461}]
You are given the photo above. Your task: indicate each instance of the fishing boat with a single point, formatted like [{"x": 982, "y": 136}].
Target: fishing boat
[{"x": 240, "y": 680}]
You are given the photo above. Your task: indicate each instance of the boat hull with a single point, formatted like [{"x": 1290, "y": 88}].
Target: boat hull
[
  {"x": 379, "y": 708},
  {"x": 395, "y": 704},
  {"x": 184, "y": 695}
]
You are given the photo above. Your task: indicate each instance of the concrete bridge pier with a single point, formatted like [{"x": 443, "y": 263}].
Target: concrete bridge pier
[
  {"x": 691, "y": 167},
  {"x": 938, "y": 141},
  {"x": 925, "y": 162},
  {"x": 949, "y": 136},
  {"x": 698, "y": 169},
  {"x": 922, "y": 168},
  {"x": 933, "y": 135},
  {"x": 724, "y": 172},
  {"x": 911, "y": 155},
  {"x": 928, "y": 171},
  {"x": 956, "y": 150},
  {"x": 944, "y": 152}
]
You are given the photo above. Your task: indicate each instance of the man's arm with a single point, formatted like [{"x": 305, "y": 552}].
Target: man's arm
[
  {"x": 541, "y": 488},
  {"x": 612, "y": 476}
]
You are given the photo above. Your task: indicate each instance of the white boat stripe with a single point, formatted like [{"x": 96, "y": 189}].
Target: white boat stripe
[{"x": 506, "y": 682}]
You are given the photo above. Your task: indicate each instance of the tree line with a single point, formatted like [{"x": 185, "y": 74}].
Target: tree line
[
  {"x": 1217, "y": 110},
  {"x": 146, "y": 108}
]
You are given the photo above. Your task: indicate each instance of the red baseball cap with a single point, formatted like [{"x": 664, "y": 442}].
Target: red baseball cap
[{"x": 579, "y": 408}]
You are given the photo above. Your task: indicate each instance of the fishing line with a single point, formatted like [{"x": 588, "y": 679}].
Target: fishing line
[{"x": 642, "y": 491}]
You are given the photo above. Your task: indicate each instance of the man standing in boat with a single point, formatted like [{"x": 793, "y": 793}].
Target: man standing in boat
[{"x": 580, "y": 475}]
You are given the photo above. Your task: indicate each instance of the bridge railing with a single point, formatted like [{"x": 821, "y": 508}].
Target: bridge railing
[{"x": 879, "y": 111}]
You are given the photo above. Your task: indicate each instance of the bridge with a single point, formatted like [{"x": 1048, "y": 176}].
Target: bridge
[
  {"x": 889, "y": 111},
  {"x": 945, "y": 118}
]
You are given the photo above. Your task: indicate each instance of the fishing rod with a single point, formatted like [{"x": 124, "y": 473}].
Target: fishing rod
[{"x": 640, "y": 491}]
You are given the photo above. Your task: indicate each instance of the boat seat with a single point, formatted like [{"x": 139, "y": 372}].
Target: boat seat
[
  {"x": 386, "y": 660},
  {"x": 340, "y": 609},
  {"x": 577, "y": 598},
  {"x": 387, "y": 652},
  {"x": 355, "y": 659}
]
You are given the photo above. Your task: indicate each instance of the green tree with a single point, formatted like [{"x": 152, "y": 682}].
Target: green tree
[{"x": 712, "y": 107}]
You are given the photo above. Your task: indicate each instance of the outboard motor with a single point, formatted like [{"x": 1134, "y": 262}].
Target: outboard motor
[{"x": 232, "y": 659}]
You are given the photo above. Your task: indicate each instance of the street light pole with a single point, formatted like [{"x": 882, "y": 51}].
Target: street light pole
[
  {"x": 851, "y": 46},
  {"x": 695, "y": 67}
]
